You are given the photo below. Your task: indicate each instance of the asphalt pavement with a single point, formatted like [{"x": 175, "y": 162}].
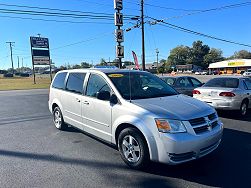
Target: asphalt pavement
[{"x": 33, "y": 153}]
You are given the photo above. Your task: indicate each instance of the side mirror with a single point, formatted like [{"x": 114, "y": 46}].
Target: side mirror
[
  {"x": 104, "y": 95},
  {"x": 113, "y": 99}
]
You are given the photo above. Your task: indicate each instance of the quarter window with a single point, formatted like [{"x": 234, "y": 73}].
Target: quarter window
[
  {"x": 183, "y": 82},
  {"x": 75, "y": 82},
  {"x": 248, "y": 83},
  {"x": 95, "y": 85},
  {"x": 59, "y": 80}
]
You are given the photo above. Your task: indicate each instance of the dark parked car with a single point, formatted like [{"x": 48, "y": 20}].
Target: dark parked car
[{"x": 183, "y": 84}]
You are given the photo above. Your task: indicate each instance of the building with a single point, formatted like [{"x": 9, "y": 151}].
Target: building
[
  {"x": 230, "y": 66},
  {"x": 188, "y": 68}
]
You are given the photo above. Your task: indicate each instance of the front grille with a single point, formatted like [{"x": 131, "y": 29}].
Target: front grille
[
  {"x": 197, "y": 121},
  {"x": 214, "y": 124},
  {"x": 201, "y": 129},
  {"x": 181, "y": 157},
  {"x": 204, "y": 124},
  {"x": 212, "y": 116}
]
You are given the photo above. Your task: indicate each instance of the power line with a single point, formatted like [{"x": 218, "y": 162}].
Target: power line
[
  {"x": 60, "y": 10},
  {"x": 212, "y": 9},
  {"x": 198, "y": 33},
  {"x": 53, "y": 20}
]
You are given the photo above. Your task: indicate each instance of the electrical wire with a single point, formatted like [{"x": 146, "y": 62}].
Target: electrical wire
[
  {"x": 248, "y": 3},
  {"x": 172, "y": 26},
  {"x": 59, "y": 21}
]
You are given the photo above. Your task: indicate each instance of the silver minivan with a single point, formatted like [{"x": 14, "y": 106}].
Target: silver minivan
[{"x": 136, "y": 111}]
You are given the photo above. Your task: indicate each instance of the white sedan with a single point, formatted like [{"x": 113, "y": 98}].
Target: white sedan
[{"x": 226, "y": 93}]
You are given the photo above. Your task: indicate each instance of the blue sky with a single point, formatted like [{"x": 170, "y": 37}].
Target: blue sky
[{"x": 76, "y": 42}]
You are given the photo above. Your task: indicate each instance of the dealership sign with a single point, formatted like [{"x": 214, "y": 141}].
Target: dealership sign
[
  {"x": 40, "y": 51},
  {"x": 38, "y": 42}
]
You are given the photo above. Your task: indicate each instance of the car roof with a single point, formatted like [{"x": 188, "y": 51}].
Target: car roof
[
  {"x": 177, "y": 77},
  {"x": 104, "y": 70}
]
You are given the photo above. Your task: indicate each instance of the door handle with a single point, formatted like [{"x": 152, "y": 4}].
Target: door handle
[
  {"x": 86, "y": 102},
  {"x": 78, "y": 100}
]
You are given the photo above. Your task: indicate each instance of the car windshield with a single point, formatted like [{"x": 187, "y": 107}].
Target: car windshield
[
  {"x": 223, "y": 82},
  {"x": 143, "y": 85}
]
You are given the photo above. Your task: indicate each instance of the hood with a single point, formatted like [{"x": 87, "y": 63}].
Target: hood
[{"x": 179, "y": 107}]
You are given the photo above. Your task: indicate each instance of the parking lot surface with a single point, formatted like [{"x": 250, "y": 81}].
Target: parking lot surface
[{"x": 33, "y": 153}]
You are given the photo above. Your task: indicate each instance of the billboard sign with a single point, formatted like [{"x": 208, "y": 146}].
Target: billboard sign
[{"x": 39, "y": 42}]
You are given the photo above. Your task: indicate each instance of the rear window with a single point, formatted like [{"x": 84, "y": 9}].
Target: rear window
[
  {"x": 223, "y": 82},
  {"x": 59, "y": 80}
]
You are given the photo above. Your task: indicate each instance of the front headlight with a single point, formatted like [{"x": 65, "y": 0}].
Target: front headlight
[{"x": 170, "y": 126}]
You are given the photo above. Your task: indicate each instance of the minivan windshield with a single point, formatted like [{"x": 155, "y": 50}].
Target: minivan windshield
[
  {"x": 140, "y": 85},
  {"x": 222, "y": 82}
]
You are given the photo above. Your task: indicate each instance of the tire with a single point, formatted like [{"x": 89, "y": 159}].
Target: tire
[
  {"x": 244, "y": 108},
  {"x": 133, "y": 148},
  {"x": 58, "y": 119}
]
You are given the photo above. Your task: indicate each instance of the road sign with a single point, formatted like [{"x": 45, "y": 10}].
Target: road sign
[
  {"x": 118, "y": 18},
  {"x": 38, "y": 42},
  {"x": 119, "y": 35},
  {"x": 119, "y": 51},
  {"x": 118, "y": 4}
]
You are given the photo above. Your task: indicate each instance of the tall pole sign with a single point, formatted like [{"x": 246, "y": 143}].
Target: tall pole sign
[
  {"x": 40, "y": 52},
  {"x": 118, "y": 19}
]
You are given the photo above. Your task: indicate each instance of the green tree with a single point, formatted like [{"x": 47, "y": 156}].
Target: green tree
[
  {"x": 179, "y": 55},
  {"x": 76, "y": 66},
  {"x": 242, "y": 54},
  {"x": 85, "y": 65},
  {"x": 213, "y": 56},
  {"x": 198, "y": 52}
]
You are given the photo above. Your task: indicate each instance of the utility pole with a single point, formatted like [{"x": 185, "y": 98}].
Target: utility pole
[
  {"x": 11, "y": 43},
  {"x": 22, "y": 62},
  {"x": 157, "y": 53},
  {"x": 18, "y": 62},
  {"x": 143, "y": 36}
]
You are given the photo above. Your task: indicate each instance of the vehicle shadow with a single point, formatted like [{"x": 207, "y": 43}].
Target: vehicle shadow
[
  {"x": 228, "y": 166},
  {"x": 234, "y": 115}
]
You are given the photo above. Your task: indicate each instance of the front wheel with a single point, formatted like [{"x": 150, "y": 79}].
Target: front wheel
[
  {"x": 58, "y": 119},
  {"x": 133, "y": 148}
]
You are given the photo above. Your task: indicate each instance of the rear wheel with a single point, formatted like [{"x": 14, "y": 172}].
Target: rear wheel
[
  {"x": 133, "y": 148},
  {"x": 244, "y": 108},
  {"x": 58, "y": 119}
]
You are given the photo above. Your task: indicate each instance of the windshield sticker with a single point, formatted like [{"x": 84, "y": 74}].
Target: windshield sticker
[{"x": 115, "y": 75}]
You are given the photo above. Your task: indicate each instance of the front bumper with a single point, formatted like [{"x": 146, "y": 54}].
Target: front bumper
[{"x": 179, "y": 148}]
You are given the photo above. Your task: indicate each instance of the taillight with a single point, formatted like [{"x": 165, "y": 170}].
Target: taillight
[
  {"x": 196, "y": 92},
  {"x": 227, "y": 94}
]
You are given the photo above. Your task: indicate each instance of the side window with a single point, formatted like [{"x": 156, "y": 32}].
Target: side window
[
  {"x": 95, "y": 85},
  {"x": 75, "y": 82},
  {"x": 247, "y": 84},
  {"x": 59, "y": 80},
  {"x": 195, "y": 82},
  {"x": 183, "y": 82}
]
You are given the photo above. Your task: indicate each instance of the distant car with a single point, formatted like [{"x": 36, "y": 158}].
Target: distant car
[
  {"x": 183, "y": 84},
  {"x": 227, "y": 93},
  {"x": 247, "y": 73},
  {"x": 197, "y": 73}
]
